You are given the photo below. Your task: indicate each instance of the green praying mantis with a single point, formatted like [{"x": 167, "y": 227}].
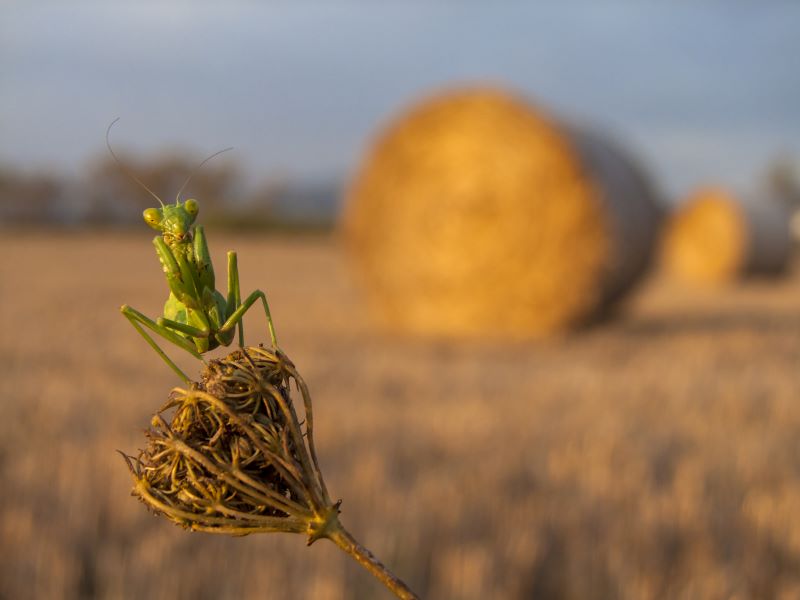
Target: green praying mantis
[{"x": 197, "y": 317}]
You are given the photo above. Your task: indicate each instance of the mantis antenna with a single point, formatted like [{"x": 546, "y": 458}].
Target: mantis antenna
[
  {"x": 124, "y": 168},
  {"x": 196, "y": 169}
]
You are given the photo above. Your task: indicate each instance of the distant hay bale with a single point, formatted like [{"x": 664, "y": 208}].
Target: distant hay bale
[
  {"x": 476, "y": 214},
  {"x": 715, "y": 238}
]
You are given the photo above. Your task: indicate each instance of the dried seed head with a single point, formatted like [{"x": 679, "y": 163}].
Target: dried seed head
[{"x": 234, "y": 457}]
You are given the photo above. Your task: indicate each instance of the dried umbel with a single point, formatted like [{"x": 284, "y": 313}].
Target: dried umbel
[{"x": 235, "y": 458}]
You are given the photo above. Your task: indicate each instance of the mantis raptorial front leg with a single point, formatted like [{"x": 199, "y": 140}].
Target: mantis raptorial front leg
[{"x": 235, "y": 310}]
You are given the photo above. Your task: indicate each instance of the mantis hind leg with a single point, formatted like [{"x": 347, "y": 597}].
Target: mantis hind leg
[
  {"x": 234, "y": 300},
  {"x": 236, "y": 317},
  {"x": 138, "y": 320}
]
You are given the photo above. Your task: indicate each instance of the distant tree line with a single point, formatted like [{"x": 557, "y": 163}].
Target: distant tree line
[
  {"x": 104, "y": 194},
  {"x": 782, "y": 181}
]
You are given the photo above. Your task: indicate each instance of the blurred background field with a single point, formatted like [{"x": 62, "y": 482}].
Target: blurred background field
[
  {"x": 645, "y": 450},
  {"x": 657, "y": 457}
]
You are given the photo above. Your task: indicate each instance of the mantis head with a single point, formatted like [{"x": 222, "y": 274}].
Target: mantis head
[{"x": 173, "y": 220}]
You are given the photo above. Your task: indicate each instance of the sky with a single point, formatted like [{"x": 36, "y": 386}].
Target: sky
[{"x": 701, "y": 92}]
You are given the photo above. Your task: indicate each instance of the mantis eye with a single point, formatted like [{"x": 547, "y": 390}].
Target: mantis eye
[
  {"x": 191, "y": 207},
  {"x": 152, "y": 216}
]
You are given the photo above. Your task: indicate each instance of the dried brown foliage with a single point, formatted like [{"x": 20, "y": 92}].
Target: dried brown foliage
[{"x": 233, "y": 458}]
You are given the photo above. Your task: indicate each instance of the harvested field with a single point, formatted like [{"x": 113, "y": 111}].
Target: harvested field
[{"x": 657, "y": 456}]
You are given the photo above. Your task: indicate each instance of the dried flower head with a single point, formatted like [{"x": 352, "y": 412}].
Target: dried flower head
[{"x": 235, "y": 458}]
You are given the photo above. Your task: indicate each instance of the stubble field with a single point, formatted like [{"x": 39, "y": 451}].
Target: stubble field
[{"x": 657, "y": 456}]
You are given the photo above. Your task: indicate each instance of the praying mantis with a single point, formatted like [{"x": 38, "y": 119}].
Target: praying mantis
[{"x": 197, "y": 317}]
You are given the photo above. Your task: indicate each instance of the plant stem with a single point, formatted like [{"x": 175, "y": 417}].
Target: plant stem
[{"x": 342, "y": 538}]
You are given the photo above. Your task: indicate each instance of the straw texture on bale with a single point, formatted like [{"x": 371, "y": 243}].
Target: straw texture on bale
[
  {"x": 715, "y": 238},
  {"x": 476, "y": 214}
]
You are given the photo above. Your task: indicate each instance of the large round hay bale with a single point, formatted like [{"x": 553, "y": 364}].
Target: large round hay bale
[
  {"x": 715, "y": 237},
  {"x": 476, "y": 214}
]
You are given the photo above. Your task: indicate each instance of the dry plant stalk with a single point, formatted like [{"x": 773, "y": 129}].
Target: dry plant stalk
[
  {"x": 715, "y": 238},
  {"x": 474, "y": 199},
  {"x": 235, "y": 459}
]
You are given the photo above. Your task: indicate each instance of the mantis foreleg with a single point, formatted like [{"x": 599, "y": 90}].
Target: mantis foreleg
[
  {"x": 138, "y": 319},
  {"x": 202, "y": 258},
  {"x": 180, "y": 278}
]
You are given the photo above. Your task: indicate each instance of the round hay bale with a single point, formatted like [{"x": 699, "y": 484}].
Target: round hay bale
[
  {"x": 476, "y": 214},
  {"x": 715, "y": 238}
]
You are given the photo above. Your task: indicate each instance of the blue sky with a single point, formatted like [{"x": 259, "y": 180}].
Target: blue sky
[{"x": 700, "y": 91}]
